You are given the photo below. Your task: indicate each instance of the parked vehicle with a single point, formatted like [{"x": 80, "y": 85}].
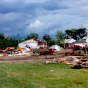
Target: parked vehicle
[
  {"x": 47, "y": 52},
  {"x": 75, "y": 47},
  {"x": 9, "y": 50},
  {"x": 77, "y": 50},
  {"x": 74, "y": 53}
]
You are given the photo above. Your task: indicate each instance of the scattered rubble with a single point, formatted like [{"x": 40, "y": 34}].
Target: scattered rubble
[
  {"x": 70, "y": 60},
  {"x": 73, "y": 61},
  {"x": 67, "y": 60}
]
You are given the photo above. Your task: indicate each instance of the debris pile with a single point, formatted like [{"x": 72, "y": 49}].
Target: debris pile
[
  {"x": 70, "y": 60},
  {"x": 82, "y": 63},
  {"x": 67, "y": 60}
]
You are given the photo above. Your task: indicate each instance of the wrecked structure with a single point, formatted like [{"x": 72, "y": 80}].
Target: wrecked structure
[{"x": 32, "y": 44}]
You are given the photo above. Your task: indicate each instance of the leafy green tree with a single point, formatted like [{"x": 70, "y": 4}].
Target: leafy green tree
[
  {"x": 71, "y": 33},
  {"x": 9, "y": 43},
  {"x": 76, "y": 33},
  {"x": 81, "y": 32},
  {"x": 13, "y": 42},
  {"x": 1, "y": 36},
  {"x": 46, "y": 37},
  {"x": 32, "y": 35},
  {"x": 60, "y": 35},
  {"x": 60, "y": 38},
  {"x": 68, "y": 33},
  {"x": 51, "y": 42}
]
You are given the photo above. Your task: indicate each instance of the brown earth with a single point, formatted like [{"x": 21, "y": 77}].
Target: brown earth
[{"x": 29, "y": 58}]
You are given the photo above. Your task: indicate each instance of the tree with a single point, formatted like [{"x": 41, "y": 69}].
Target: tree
[
  {"x": 81, "y": 33},
  {"x": 46, "y": 37},
  {"x": 71, "y": 33},
  {"x": 51, "y": 42},
  {"x": 9, "y": 43},
  {"x": 32, "y": 35},
  {"x": 1, "y": 36},
  {"x": 60, "y": 35},
  {"x": 76, "y": 33},
  {"x": 60, "y": 38}
]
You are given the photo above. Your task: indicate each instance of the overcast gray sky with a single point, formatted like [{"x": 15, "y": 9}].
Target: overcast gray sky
[{"x": 42, "y": 16}]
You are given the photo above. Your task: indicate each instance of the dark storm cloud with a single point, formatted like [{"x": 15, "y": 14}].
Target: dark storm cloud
[
  {"x": 7, "y": 6},
  {"x": 17, "y": 15},
  {"x": 21, "y": 6},
  {"x": 53, "y": 5}
]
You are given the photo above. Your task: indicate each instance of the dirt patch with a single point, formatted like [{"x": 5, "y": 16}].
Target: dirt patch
[{"x": 29, "y": 58}]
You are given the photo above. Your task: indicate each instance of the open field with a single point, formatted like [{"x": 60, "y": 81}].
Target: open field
[
  {"x": 39, "y": 75},
  {"x": 29, "y": 71}
]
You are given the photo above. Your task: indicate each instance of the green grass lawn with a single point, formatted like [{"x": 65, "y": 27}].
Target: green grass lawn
[{"x": 39, "y": 75}]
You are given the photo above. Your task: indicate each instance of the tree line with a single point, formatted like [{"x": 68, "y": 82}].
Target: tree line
[{"x": 60, "y": 36}]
